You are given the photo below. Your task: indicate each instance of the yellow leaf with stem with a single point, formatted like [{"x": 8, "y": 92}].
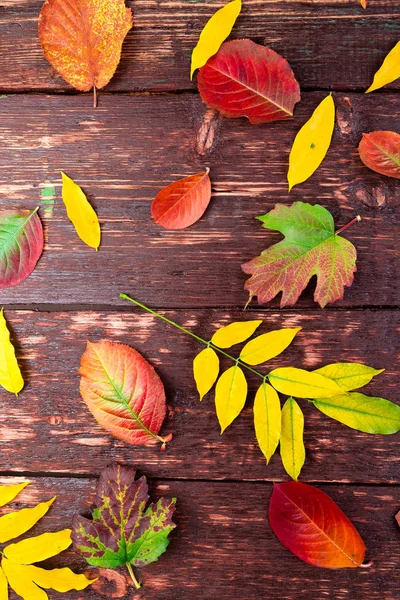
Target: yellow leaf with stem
[
  {"x": 205, "y": 370},
  {"x": 234, "y": 333},
  {"x": 80, "y": 212},
  {"x": 14, "y": 524},
  {"x": 291, "y": 442},
  {"x": 267, "y": 419},
  {"x": 38, "y": 548},
  {"x": 349, "y": 376},
  {"x": 10, "y": 374},
  {"x": 389, "y": 71},
  {"x": 9, "y": 492},
  {"x": 267, "y": 346},
  {"x": 303, "y": 384},
  {"x": 230, "y": 396}
]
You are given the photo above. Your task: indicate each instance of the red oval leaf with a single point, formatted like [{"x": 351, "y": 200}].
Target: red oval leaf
[
  {"x": 380, "y": 151},
  {"x": 245, "y": 79},
  {"x": 21, "y": 244},
  {"x": 313, "y": 527},
  {"x": 182, "y": 203},
  {"x": 123, "y": 392}
]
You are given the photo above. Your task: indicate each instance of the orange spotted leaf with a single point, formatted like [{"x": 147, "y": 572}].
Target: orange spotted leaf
[{"x": 380, "y": 151}]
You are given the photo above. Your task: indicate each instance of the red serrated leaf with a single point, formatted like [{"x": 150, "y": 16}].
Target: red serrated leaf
[
  {"x": 245, "y": 79},
  {"x": 380, "y": 151},
  {"x": 313, "y": 527},
  {"x": 123, "y": 392},
  {"x": 182, "y": 203}
]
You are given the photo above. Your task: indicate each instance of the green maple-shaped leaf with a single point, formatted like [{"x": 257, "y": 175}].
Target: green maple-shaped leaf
[{"x": 311, "y": 247}]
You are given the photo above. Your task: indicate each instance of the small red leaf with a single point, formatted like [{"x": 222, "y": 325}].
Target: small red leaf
[
  {"x": 245, "y": 79},
  {"x": 380, "y": 151},
  {"x": 182, "y": 203},
  {"x": 313, "y": 527}
]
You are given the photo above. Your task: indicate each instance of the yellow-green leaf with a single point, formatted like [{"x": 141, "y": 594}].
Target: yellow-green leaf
[
  {"x": 61, "y": 580},
  {"x": 80, "y": 212},
  {"x": 349, "y": 376},
  {"x": 38, "y": 548},
  {"x": 389, "y": 71},
  {"x": 293, "y": 453},
  {"x": 267, "y": 419},
  {"x": 234, "y": 333},
  {"x": 14, "y": 524},
  {"x": 312, "y": 143},
  {"x": 9, "y": 492},
  {"x": 303, "y": 384},
  {"x": 266, "y": 346},
  {"x": 21, "y": 582},
  {"x": 230, "y": 396},
  {"x": 215, "y": 31},
  {"x": 3, "y": 586},
  {"x": 205, "y": 370},
  {"x": 10, "y": 374}
]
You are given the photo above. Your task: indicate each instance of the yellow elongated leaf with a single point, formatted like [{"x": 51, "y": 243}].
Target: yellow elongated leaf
[
  {"x": 80, "y": 212},
  {"x": 215, "y": 31},
  {"x": 20, "y": 581},
  {"x": 10, "y": 374},
  {"x": 293, "y": 453},
  {"x": 61, "y": 580},
  {"x": 234, "y": 333},
  {"x": 349, "y": 376},
  {"x": 266, "y": 346},
  {"x": 38, "y": 548},
  {"x": 205, "y": 371},
  {"x": 14, "y": 524},
  {"x": 3, "y": 586},
  {"x": 389, "y": 71},
  {"x": 312, "y": 143},
  {"x": 303, "y": 384},
  {"x": 9, "y": 492},
  {"x": 230, "y": 396},
  {"x": 267, "y": 419}
]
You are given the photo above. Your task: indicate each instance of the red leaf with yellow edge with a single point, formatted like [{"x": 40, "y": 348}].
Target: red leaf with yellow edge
[
  {"x": 380, "y": 151},
  {"x": 245, "y": 79},
  {"x": 313, "y": 527},
  {"x": 123, "y": 392}
]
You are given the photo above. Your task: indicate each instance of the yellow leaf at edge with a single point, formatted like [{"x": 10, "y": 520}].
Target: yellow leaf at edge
[
  {"x": 230, "y": 396},
  {"x": 266, "y": 346},
  {"x": 205, "y": 371},
  {"x": 349, "y": 376},
  {"x": 61, "y": 580},
  {"x": 9, "y": 492},
  {"x": 21, "y": 582},
  {"x": 14, "y": 524},
  {"x": 389, "y": 71},
  {"x": 267, "y": 419},
  {"x": 215, "y": 31},
  {"x": 303, "y": 384},
  {"x": 291, "y": 442},
  {"x": 38, "y": 548},
  {"x": 3, "y": 586},
  {"x": 10, "y": 374},
  {"x": 234, "y": 333},
  {"x": 312, "y": 143},
  {"x": 80, "y": 212}
]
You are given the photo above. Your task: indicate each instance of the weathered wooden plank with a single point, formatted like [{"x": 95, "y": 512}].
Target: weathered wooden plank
[
  {"x": 224, "y": 548},
  {"x": 48, "y": 428},
  {"x": 126, "y": 150},
  {"x": 156, "y": 53}
]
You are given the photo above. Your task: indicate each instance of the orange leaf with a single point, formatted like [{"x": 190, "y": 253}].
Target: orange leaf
[
  {"x": 380, "y": 151},
  {"x": 363, "y": 3}
]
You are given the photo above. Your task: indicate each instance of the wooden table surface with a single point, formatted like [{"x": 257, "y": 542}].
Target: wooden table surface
[{"x": 151, "y": 128}]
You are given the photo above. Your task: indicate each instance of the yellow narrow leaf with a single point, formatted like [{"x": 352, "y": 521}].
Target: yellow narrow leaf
[
  {"x": 21, "y": 582},
  {"x": 38, "y": 548},
  {"x": 312, "y": 143},
  {"x": 234, "y": 333},
  {"x": 14, "y": 524},
  {"x": 389, "y": 71},
  {"x": 80, "y": 212},
  {"x": 303, "y": 384},
  {"x": 230, "y": 396},
  {"x": 3, "y": 586},
  {"x": 267, "y": 419},
  {"x": 205, "y": 371},
  {"x": 215, "y": 31},
  {"x": 291, "y": 442},
  {"x": 9, "y": 492},
  {"x": 349, "y": 376},
  {"x": 10, "y": 374},
  {"x": 61, "y": 580},
  {"x": 266, "y": 346}
]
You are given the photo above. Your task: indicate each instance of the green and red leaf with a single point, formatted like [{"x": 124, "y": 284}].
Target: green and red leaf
[{"x": 380, "y": 151}]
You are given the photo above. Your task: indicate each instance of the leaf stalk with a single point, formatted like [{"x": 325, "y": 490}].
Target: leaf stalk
[
  {"x": 132, "y": 574},
  {"x": 355, "y": 220}
]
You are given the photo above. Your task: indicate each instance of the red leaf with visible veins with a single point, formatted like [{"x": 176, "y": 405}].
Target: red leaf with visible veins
[
  {"x": 313, "y": 527},
  {"x": 123, "y": 392},
  {"x": 245, "y": 79},
  {"x": 182, "y": 203},
  {"x": 380, "y": 151}
]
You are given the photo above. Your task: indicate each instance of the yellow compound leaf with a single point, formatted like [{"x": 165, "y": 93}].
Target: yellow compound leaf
[
  {"x": 389, "y": 71},
  {"x": 3, "y": 586},
  {"x": 303, "y": 384},
  {"x": 291, "y": 442},
  {"x": 267, "y": 345},
  {"x": 349, "y": 376},
  {"x": 21, "y": 582},
  {"x": 312, "y": 143},
  {"x": 9, "y": 492},
  {"x": 14, "y": 524},
  {"x": 61, "y": 580},
  {"x": 214, "y": 33},
  {"x": 234, "y": 333},
  {"x": 80, "y": 212},
  {"x": 267, "y": 419},
  {"x": 10, "y": 374},
  {"x": 205, "y": 371},
  {"x": 38, "y": 548},
  {"x": 230, "y": 396}
]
